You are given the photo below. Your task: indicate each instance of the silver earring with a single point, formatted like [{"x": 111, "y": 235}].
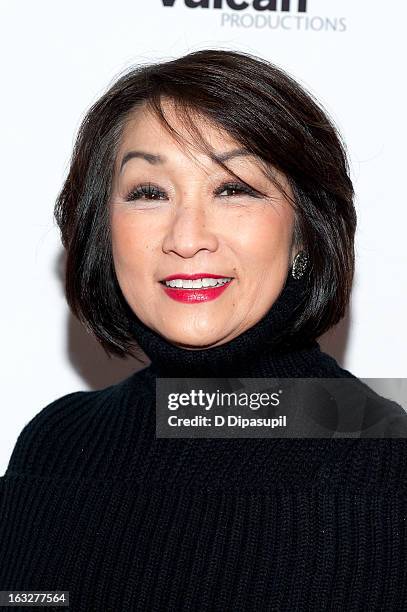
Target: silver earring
[{"x": 299, "y": 265}]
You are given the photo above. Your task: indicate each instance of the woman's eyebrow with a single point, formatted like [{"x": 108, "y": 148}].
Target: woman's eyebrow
[{"x": 154, "y": 158}]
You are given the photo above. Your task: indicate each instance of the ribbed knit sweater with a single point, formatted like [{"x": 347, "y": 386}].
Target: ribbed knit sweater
[{"x": 94, "y": 504}]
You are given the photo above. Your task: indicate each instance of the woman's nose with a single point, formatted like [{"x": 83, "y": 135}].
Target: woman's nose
[{"x": 190, "y": 230}]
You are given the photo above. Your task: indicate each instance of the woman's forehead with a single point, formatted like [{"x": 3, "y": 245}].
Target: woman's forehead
[
  {"x": 146, "y": 136},
  {"x": 193, "y": 132}
]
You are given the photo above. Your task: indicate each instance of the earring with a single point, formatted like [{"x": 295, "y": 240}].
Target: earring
[{"x": 299, "y": 265}]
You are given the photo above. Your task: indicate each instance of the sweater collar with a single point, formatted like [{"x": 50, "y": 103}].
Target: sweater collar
[{"x": 256, "y": 352}]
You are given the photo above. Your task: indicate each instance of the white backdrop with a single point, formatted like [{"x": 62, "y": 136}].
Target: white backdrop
[{"x": 58, "y": 57}]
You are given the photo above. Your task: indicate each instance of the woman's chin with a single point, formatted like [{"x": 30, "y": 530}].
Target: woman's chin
[{"x": 195, "y": 342}]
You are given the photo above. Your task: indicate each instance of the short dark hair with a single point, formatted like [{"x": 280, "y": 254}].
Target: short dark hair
[{"x": 265, "y": 110}]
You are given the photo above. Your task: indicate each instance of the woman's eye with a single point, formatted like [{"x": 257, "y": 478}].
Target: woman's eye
[
  {"x": 147, "y": 192},
  {"x": 235, "y": 189}
]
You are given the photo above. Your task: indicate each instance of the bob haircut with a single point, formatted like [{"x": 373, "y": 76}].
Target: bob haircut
[{"x": 268, "y": 113}]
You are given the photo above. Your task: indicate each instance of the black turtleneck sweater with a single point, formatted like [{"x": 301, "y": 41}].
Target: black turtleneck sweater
[{"x": 94, "y": 504}]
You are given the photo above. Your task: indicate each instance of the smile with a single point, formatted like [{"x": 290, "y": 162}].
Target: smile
[{"x": 198, "y": 283}]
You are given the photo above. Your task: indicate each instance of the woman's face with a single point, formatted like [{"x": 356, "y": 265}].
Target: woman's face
[{"x": 174, "y": 212}]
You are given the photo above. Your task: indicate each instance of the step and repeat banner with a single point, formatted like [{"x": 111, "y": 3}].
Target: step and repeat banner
[{"x": 58, "y": 58}]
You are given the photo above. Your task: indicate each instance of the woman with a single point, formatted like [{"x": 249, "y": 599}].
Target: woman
[{"x": 216, "y": 165}]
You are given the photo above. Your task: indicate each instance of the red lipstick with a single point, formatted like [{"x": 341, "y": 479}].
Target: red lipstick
[
  {"x": 194, "y": 276},
  {"x": 193, "y": 295}
]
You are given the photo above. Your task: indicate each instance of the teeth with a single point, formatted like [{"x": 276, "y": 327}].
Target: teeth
[{"x": 199, "y": 283}]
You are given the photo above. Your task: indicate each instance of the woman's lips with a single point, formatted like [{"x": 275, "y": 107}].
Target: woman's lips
[{"x": 192, "y": 296}]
